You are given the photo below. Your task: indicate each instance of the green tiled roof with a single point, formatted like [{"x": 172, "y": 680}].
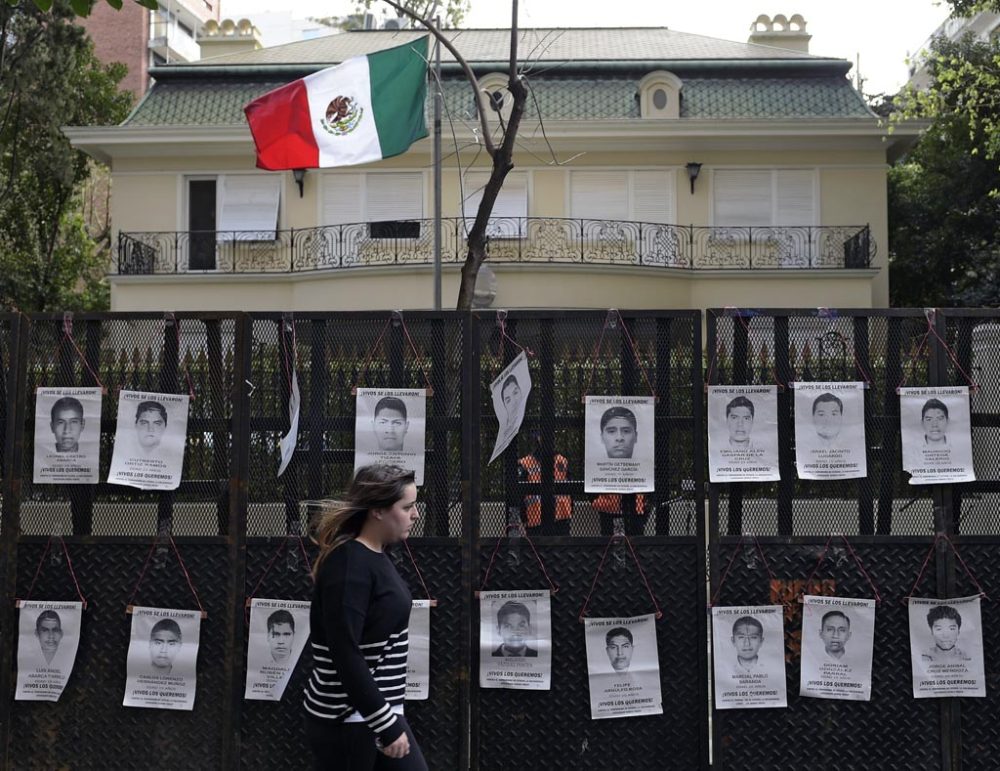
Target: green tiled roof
[{"x": 220, "y": 101}]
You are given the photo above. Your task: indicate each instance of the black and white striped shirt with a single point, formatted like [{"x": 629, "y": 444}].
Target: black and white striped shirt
[{"x": 359, "y": 633}]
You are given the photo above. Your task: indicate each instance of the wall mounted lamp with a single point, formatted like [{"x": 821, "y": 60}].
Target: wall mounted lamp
[
  {"x": 693, "y": 170},
  {"x": 299, "y": 175}
]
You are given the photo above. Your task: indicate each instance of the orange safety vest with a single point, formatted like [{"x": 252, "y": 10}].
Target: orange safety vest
[
  {"x": 611, "y": 503},
  {"x": 533, "y": 503}
]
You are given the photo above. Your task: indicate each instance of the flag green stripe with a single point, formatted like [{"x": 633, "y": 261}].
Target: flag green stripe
[{"x": 398, "y": 78}]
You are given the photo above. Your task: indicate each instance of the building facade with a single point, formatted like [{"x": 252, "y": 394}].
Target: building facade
[{"x": 653, "y": 169}]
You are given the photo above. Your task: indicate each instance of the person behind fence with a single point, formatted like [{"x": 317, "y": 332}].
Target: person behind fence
[
  {"x": 934, "y": 419},
  {"x": 390, "y": 424},
  {"x": 748, "y": 636},
  {"x": 529, "y": 470},
  {"x": 280, "y": 635},
  {"x": 359, "y": 623},
  {"x": 514, "y": 628},
  {"x": 611, "y": 506},
  {"x": 67, "y": 423},
  {"x": 945, "y": 623}
]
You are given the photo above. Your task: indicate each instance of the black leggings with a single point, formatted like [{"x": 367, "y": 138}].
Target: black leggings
[{"x": 351, "y": 747}]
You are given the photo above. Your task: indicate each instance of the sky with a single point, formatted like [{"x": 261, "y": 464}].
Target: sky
[{"x": 882, "y": 33}]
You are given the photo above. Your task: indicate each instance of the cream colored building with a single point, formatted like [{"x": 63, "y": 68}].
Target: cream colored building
[{"x": 788, "y": 207}]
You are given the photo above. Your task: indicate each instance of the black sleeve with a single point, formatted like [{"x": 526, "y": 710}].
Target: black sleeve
[{"x": 346, "y": 592}]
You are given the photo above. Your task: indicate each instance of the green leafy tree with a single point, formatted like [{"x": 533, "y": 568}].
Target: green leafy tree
[
  {"x": 84, "y": 7},
  {"x": 965, "y": 81},
  {"x": 49, "y": 77}
]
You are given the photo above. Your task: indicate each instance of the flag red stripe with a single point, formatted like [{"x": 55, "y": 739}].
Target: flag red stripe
[{"x": 279, "y": 122}]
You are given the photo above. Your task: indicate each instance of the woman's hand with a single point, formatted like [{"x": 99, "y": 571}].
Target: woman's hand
[{"x": 398, "y": 748}]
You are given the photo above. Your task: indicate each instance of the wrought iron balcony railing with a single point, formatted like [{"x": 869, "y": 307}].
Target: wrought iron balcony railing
[{"x": 527, "y": 240}]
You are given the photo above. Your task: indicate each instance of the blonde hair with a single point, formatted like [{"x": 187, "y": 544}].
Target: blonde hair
[{"x": 336, "y": 522}]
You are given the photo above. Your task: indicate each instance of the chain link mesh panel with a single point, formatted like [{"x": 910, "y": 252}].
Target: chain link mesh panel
[
  {"x": 521, "y": 730},
  {"x": 331, "y": 355},
  {"x": 973, "y": 340},
  {"x": 88, "y": 727},
  {"x": 581, "y": 353},
  {"x": 191, "y": 353},
  {"x": 779, "y": 347},
  {"x": 9, "y": 366},
  {"x": 893, "y": 730}
]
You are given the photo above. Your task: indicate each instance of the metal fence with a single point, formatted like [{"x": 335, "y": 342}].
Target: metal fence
[
  {"x": 232, "y": 514},
  {"x": 511, "y": 240}
]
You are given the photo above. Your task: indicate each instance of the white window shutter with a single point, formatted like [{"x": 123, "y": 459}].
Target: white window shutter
[
  {"x": 394, "y": 196},
  {"x": 653, "y": 196},
  {"x": 742, "y": 197},
  {"x": 599, "y": 195},
  {"x": 342, "y": 200},
  {"x": 249, "y": 203},
  {"x": 795, "y": 204},
  {"x": 511, "y": 204}
]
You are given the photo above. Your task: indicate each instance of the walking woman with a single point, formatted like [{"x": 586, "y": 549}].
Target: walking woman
[{"x": 358, "y": 629}]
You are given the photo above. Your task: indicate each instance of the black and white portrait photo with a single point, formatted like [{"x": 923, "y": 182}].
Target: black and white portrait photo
[
  {"x": 279, "y": 630},
  {"x": 748, "y": 651},
  {"x": 946, "y": 647},
  {"x": 838, "y": 635},
  {"x": 515, "y": 639},
  {"x": 67, "y": 435},
  {"x": 389, "y": 428},
  {"x": 830, "y": 430},
  {"x": 619, "y": 444},
  {"x": 743, "y": 433},
  {"x": 623, "y": 667},
  {"x": 162, "y": 659},
  {"x": 509, "y": 392},
  {"x": 48, "y": 636},
  {"x": 150, "y": 437},
  {"x": 936, "y": 432}
]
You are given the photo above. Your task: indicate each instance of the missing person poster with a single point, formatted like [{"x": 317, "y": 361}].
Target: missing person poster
[
  {"x": 48, "y": 636},
  {"x": 743, "y": 434},
  {"x": 510, "y": 392},
  {"x": 389, "y": 428},
  {"x": 162, "y": 658},
  {"x": 149, "y": 440},
  {"x": 618, "y": 448},
  {"x": 67, "y": 436},
  {"x": 279, "y": 630},
  {"x": 287, "y": 443},
  {"x": 748, "y": 649},
  {"x": 937, "y": 435},
  {"x": 946, "y": 647},
  {"x": 623, "y": 667},
  {"x": 418, "y": 663},
  {"x": 838, "y": 635},
  {"x": 830, "y": 430},
  {"x": 515, "y": 640}
]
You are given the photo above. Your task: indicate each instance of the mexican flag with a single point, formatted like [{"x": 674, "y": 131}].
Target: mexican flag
[{"x": 365, "y": 109}]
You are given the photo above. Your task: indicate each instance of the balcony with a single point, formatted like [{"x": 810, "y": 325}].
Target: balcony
[{"x": 522, "y": 240}]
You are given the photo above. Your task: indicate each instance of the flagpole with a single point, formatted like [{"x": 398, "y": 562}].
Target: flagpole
[{"x": 437, "y": 169}]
